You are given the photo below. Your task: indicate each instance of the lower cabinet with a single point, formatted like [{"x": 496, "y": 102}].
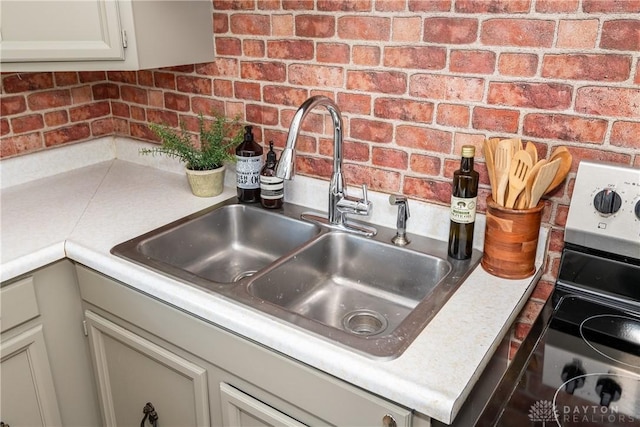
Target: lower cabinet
[{"x": 195, "y": 373}]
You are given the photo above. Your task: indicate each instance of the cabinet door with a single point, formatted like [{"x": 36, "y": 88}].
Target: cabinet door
[
  {"x": 28, "y": 394},
  {"x": 60, "y": 31},
  {"x": 131, "y": 371},
  {"x": 241, "y": 410}
]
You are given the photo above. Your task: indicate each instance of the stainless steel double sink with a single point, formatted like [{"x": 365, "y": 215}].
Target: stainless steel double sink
[{"x": 363, "y": 293}]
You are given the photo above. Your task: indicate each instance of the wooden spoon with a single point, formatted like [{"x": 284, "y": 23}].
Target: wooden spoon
[
  {"x": 533, "y": 152},
  {"x": 542, "y": 180},
  {"x": 520, "y": 166},
  {"x": 525, "y": 196},
  {"x": 488, "y": 157},
  {"x": 502, "y": 166},
  {"x": 563, "y": 155}
]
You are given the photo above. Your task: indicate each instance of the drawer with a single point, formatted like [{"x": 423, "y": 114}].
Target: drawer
[{"x": 18, "y": 303}]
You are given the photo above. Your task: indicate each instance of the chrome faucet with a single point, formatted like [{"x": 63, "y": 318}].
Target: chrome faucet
[{"x": 340, "y": 204}]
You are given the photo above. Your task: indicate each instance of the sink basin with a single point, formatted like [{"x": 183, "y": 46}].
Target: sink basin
[
  {"x": 362, "y": 293},
  {"x": 352, "y": 283},
  {"x": 221, "y": 246}
]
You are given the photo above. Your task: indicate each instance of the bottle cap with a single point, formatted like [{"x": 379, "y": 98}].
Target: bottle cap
[
  {"x": 248, "y": 134},
  {"x": 468, "y": 151},
  {"x": 271, "y": 155}
]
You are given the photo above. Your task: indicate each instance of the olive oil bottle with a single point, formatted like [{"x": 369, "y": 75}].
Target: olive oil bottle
[{"x": 464, "y": 197}]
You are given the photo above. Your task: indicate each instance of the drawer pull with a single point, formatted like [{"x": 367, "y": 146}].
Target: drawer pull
[{"x": 389, "y": 421}]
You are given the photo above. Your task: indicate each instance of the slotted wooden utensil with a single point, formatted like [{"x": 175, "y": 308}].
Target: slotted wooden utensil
[
  {"x": 525, "y": 196},
  {"x": 565, "y": 158},
  {"x": 502, "y": 165},
  {"x": 542, "y": 180},
  {"x": 520, "y": 166}
]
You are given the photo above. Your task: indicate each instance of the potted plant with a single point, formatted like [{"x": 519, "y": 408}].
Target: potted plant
[{"x": 205, "y": 154}]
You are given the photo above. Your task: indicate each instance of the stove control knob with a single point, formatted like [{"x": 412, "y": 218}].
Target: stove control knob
[
  {"x": 608, "y": 390},
  {"x": 574, "y": 374},
  {"x": 607, "y": 202},
  {"x": 637, "y": 209}
]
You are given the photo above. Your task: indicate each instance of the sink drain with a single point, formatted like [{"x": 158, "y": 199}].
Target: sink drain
[
  {"x": 364, "y": 322},
  {"x": 244, "y": 274}
]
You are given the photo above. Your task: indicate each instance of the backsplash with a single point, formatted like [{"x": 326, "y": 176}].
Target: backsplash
[{"x": 415, "y": 79}]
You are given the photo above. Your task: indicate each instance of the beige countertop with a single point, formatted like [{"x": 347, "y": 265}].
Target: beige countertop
[{"x": 80, "y": 201}]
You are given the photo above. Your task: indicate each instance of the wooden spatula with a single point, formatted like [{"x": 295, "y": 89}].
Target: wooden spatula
[
  {"x": 533, "y": 152},
  {"x": 563, "y": 155},
  {"x": 525, "y": 196},
  {"x": 542, "y": 180},
  {"x": 502, "y": 165},
  {"x": 520, "y": 166},
  {"x": 488, "y": 158}
]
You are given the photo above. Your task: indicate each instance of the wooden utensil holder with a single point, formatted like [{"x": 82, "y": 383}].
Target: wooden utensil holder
[{"x": 511, "y": 240}]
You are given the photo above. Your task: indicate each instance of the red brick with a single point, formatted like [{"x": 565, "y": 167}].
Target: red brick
[
  {"x": 262, "y": 114},
  {"x": 134, "y": 94},
  {"x": 427, "y": 189},
  {"x": 426, "y": 58},
  {"x": 472, "y": 62},
  {"x": 14, "y": 104},
  {"x": 518, "y": 64},
  {"x": 92, "y": 76},
  {"x": 256, "y": 25},
  {"x": 406, "y": 29},
  {"x": 446, "y": 87},
  {"x": 430, "y": 5},
  {"x": 521, "y": 330},
  {"x": 453, "y": 115},
  {"x": 316, "y": 75},
  {"x": 221, "y": 67},
  {"x": 599, "y": 6},
  {"x": 555, "y": 6},
  {"x": 623, "y": 34},
  {"x": 637, "y": 78},
  {"x": 564, "y": 127},
  {"x": 228, "y": 46},
  {"x": 313, "y": 166},
  {"x": 49, "y": 99},
  {"x": 336, "y": 53},
  {"x": 620, "y": 102},
  {"x": 364, "y": 28},
  {"x": 26, "y": 82},
  {"x": 450, "y": 30},
  {"x": 65, "y": 78},
  {"x": 315, "y": 26},
  {"x": 129, "y": 77},
  {"x": 492, "y": 6},
  {"x": 29, "y": 123},
  {"x": 371, "y": 130},
  {"x": 548, "y": 96},
  {"x": 284, "y": 95},
  {"x": 290, "y": 49},
  {"x": 376, "y": 179},
  {"x": 517, "y": 32},
  {"x": 390, "y": 158},
  {"x": 156, "y": 98},
  {"x": 145, "y": 78},
  {"x": 168, "y": 118},
  {"x": 402, "y": 109},
  {"x": 176, "y": 101},
  {"x": 233, "y": 4},
  {"x": 626, "y": 134},
  {"x": 197, "y": 85},
  {"x": 56, "y": 118},
  {"x": 247, "y": 90},
  {"x": 578, "y": 33},
  {"x": 390, "y": 5},
  {"x": 5, "y": 128},
  {"x": 120, "y": 109},
  {"x": 587, "y": 67},
  {"x": 561, "y": 216},
  {"x": 356, "y": 151},
  {"x": 366, "y": 55},
  {"x": 281, "y": 25},
  {"x": 67, "y": 134},
  {"x": 254, "y": 48},
  {"x": 90, "y": 111},
  {"x": 21, "y": 144},
  {"x": 138, "y": 113},
  {"x": 268, "y": 71},
  {"x": 297, "y": 4},
  {"x": 220, "y": 23},
  {"x": 81, "y": 94},
  {"x": 142, "y": 131},
  {"x": 164, "y": 80},
  {"x": 200, "y": 105},
  {"x": 497, "y": 120},
  {"x": 187, "y": 68},
  {"x": 426, "y": 165},
  {"x": 377, "y": 81},
  {"x": 102, "y": 127},
  {"x": 354, "y": 103},
  {"x": 424, "y": 139},
  {"x": 344, "y": 5},
  {"x": 105, "y": 91}
]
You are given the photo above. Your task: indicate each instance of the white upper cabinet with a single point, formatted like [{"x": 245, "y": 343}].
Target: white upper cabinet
[{"x": 69, "y": 35}]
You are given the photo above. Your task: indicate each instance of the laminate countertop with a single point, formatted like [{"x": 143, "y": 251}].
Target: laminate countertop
[{"x": 80, "y": 201}]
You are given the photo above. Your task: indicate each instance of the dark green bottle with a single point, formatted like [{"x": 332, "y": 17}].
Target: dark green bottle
[{"x": 464, "y": 197}]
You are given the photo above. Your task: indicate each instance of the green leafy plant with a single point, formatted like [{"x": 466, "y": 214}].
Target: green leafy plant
[{"x": 217, "y": 139}]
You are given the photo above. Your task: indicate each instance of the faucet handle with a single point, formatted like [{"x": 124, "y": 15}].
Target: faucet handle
[{"x": 365, "y": 198}]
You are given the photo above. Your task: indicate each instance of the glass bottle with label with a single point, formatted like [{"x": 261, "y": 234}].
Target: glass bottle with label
[
  {"x": 271, "y": 187},
  {"x": 464, "y": 198},
  {"x": 248, "y": 166}
]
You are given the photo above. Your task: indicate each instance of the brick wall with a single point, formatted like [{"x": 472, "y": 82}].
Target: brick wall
[{"x": 415, "y": 79}]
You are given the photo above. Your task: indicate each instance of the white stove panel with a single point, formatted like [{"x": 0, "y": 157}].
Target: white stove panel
[{"x": 605, "y": 209}]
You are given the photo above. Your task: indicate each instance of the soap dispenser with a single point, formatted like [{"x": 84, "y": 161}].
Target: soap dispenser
[
  {"x": 271, "y": 187},
  {"x": 248, "y": 167}
]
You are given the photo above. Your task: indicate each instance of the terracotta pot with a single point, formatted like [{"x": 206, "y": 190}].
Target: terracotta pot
[
  {"x": 207, "y": 183},
  {"x": 511, "y": 240}
]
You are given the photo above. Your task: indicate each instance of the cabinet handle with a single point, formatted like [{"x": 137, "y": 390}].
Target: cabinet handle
[
  {"x": 150, "y": 413},
  {"x": 388, "y": 421}
]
